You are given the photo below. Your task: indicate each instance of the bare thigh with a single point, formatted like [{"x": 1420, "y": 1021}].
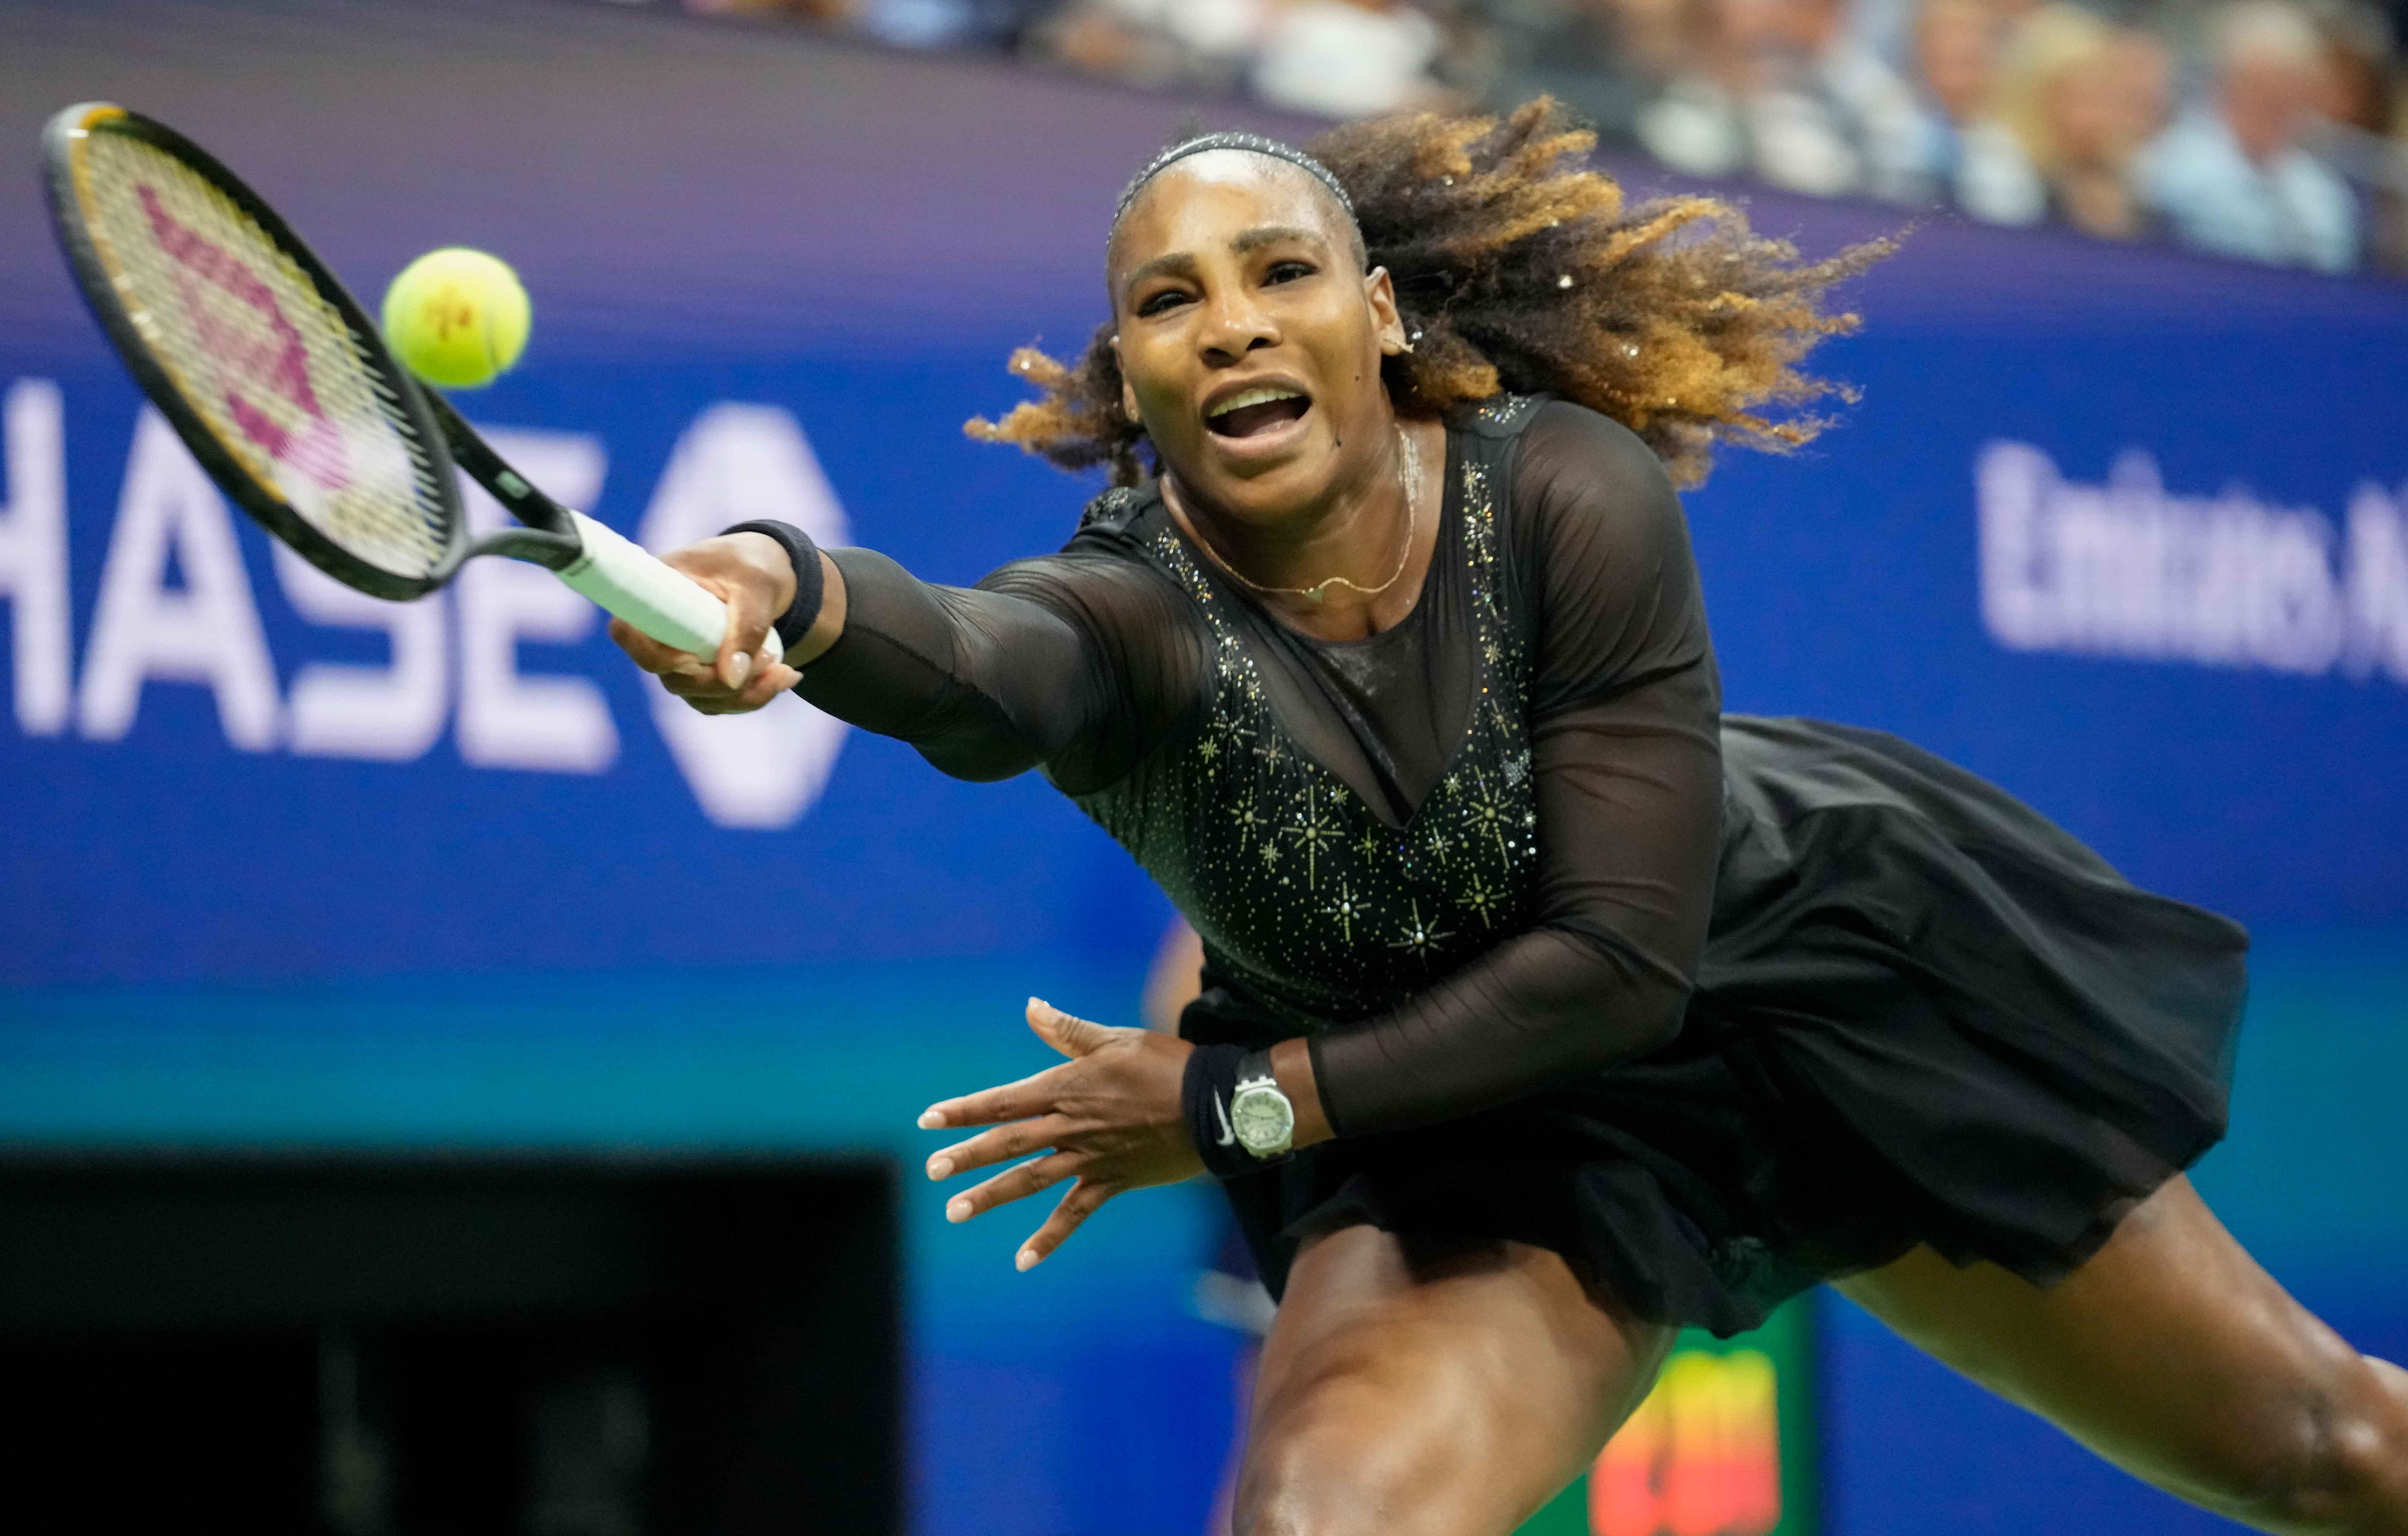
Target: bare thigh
[
  {"x": 2172, "y": 1354},
  {"x": 1413, "y": 1387}
]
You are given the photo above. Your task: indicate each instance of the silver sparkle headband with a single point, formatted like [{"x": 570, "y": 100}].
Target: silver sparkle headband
[{"x": 1251, "y": 144}]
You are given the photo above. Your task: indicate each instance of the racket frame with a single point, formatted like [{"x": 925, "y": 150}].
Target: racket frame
[
  {"x": 590, "y": 557},
  {"x": 63, "y": 174}
]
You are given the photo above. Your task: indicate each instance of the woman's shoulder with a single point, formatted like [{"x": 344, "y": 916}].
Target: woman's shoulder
[
  {"x": 1117, "y": 509},
  {"x": 1577, "y": 474},
  {"x": 1499, "y": 418},
  {"x": 1586, "y": 439},
  {"x": 1107, "y": 570},
  {"x": 1113, "y": 530},
  {"x": 1547, "y": 438},
  {"x": 1593, "y": 531}
]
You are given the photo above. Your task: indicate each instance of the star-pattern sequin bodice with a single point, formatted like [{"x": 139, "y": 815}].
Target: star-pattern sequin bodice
[{"x": 1304, "y": 897}]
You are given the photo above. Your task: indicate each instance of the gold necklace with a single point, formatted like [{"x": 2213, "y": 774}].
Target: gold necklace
[{"x": 1314, "y": 592}]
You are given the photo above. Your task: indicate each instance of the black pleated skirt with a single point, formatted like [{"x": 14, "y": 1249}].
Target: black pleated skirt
[{"x": 1926, "y": 1014}]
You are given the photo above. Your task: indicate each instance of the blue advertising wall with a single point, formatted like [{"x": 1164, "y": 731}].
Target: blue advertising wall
[{"x": 2126, "y": 531}]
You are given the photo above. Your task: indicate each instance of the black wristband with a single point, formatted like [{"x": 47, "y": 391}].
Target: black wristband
[
  {"x": 1204, "y": 1096},
  {"x": 811, "y": 581}
]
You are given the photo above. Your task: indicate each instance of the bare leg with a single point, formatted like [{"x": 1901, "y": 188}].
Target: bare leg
[
  {"x": 1418, "y": 1388},
  {"x": 2172, "y": 1354},
  {"x": 1224, "y": 1497}
]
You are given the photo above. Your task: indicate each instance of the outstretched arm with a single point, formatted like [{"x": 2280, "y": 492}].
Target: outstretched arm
[{"x": 1074, "y": 662}]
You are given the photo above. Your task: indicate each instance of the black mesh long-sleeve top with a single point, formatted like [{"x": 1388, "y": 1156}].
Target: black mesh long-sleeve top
[{"x": 1470, "y": 857}]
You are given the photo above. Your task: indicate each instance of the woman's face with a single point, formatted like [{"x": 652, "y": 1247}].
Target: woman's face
[{"x": 1250, "y": 337}]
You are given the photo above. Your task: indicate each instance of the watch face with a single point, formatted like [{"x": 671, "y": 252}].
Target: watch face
[{"x": 1263, "y": 1119}]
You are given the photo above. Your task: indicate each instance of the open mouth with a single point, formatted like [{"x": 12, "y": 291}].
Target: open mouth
[{"x": 1253, "y": 412}]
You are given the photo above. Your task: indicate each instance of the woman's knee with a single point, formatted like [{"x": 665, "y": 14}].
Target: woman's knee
[
  {"x": 1325, "y": 1482},
  {"x": 2332, "y": 1457},
  {"x": 1326, "y": 1472},
  {"x": 1405, "y": 1393},
  {"x": 1340, "y": 1461},
  {"x": 1303, "y": 1485}
]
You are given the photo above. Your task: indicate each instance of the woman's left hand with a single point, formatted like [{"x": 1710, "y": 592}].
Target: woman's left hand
[{"x": 1111, "y": 1116}]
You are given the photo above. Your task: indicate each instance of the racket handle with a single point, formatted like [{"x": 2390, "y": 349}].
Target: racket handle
[{"x": 625, "y": 578}]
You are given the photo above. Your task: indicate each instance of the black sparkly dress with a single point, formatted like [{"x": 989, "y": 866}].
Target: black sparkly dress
[{"x": 1718, "y": 1006}]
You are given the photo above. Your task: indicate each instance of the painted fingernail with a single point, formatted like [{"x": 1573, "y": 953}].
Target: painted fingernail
[
  {"x": 1026, "y": 1261},
  {"x": 957, "y": 1210},
  {"x": 940, "y": 1167},
  {"x": 739, "y": 666},
  {"x": 931, "y": 1120}
]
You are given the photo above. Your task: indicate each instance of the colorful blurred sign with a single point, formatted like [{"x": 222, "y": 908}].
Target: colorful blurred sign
[{"x": 1725, "y": 1445}]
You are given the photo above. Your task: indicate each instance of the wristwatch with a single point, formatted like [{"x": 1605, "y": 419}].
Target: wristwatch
[{"x": 1261, "y": 1115}]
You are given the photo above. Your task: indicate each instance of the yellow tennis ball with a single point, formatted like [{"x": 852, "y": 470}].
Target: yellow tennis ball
[{"x": 457, "y": 317}]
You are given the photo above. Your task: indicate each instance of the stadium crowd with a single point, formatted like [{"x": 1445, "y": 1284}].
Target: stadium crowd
[{"x": 2269, "y": 129}]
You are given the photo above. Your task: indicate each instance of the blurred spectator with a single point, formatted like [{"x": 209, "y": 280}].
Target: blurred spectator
[
  {"x": 1199, "y": 44},
  {"x": 1604, "y": 59},
  {"x": 2365, "y": 131},
  {"x": 809, "y": 10},
  {"x": 1783, "y": 87},
  {"x": 2357, "y": 46},
  {"x": 908, "y": 24},
  {"x": 1348, "y": 58},
  {"x": 1968, "y": 153},
  {"x": 2293, "y": 149},
  {"x": 1333, "y": 58},
  {"x": 2083, "y": 98},
  {"x": 2231, "y": 176},
  {"x": 2388, "y": 233}
]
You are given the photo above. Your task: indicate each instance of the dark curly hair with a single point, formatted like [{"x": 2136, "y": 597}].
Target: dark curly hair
[{"x": 1518, "y": 268}]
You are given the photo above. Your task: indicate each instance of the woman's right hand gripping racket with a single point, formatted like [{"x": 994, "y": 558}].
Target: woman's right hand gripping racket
[{"x": 281, "y": 387}]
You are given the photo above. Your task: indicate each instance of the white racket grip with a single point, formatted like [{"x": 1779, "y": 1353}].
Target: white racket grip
[{"x": 625, "y": 578}]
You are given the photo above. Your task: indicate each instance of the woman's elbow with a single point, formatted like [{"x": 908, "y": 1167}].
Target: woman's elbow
[
  {"x": 1624, "y": 1010},
  {"x": 1658, "y": 1024},
  {"x": 978, "y": 762}
]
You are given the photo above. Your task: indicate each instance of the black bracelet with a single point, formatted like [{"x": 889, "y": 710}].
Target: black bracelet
[
  {"x": 1205, "y": 1092},
  {"x": 811, "y": 581}
]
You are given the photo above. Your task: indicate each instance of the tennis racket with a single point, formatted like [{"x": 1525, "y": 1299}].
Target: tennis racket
[{"x": 283, "y": 390}]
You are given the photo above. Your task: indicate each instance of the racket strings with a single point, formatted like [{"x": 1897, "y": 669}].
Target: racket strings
[{"x": 269, "y": 364}]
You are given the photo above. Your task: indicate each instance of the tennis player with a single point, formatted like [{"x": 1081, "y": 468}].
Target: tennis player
[{"x": 1547, "y": 1008}]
